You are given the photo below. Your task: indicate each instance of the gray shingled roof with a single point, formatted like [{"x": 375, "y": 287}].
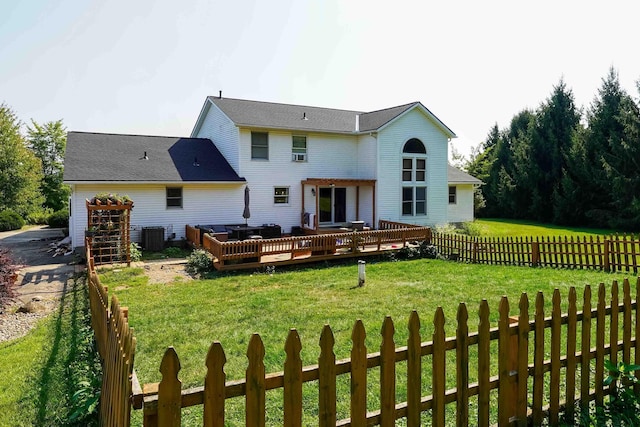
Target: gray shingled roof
[
  {"x": 456, "y": 176},
  {"x": 376, "y": 119},
  {"x": 115, "y": 157},
  {"x": 285, "y": 116},
  {"x": 271, "y": 115}
]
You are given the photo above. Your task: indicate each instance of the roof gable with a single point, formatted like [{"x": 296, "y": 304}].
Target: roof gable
[{"x": 103, "y": 157}]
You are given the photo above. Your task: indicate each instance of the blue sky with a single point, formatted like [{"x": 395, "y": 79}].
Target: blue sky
[{"x": 145, "y": 67}]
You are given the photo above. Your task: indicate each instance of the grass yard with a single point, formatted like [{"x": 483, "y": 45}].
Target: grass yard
[
  {"x": 229, "y": 308},
  {"x": 520, "y": 228},
  {"x": 41, "y": 372}
]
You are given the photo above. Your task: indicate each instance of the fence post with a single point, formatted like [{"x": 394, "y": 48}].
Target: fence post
[
  {"x": 474, "y": 254},
  {"x": 607, "y": 267},
  {"x": 535, "y": 253},
  {"x": 508, "y": 365}
]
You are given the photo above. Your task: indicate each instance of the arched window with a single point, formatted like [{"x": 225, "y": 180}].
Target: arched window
[{"x": 414, "y": 178}]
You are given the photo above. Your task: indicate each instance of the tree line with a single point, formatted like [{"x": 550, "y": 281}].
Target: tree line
[
  {"x": 31, "y": 169},
  {"x": 557, "y": 165}
]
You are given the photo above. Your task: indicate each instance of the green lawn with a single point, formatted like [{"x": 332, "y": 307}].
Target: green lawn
[
  {"x": 521, "y": 228},
  {"x": 40, "y": 373},
  {"x": 229, "y": 308}
]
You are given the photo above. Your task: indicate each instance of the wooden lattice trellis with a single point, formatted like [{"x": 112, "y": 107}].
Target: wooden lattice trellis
[{"x": 108, "y": 230}]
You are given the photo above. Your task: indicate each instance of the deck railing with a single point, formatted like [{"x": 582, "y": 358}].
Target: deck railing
[
  {"x": 512, "y": 374},
  {"x": 250, "y": 253}
]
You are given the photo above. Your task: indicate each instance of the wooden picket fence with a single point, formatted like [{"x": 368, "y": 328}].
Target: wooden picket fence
[
  {"x": 610, "y": 253},
  {"x": 116, "y": 346},
  {"x": 529, "y": 351}
]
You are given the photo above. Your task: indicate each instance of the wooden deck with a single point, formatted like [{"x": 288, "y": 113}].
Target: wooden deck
[{"x": 249, "y": 254}]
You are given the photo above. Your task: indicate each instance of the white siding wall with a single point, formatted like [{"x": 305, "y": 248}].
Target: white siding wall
[
  {"x": 462, "y": 211},
  {"x": 413, "y": 124},
  {"x": 328, "y": 156},
  {"x": 223, "y": 132},
  {"x": 202, "y": 204}
]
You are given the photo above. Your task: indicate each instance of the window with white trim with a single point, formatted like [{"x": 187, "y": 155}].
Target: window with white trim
[
  {"x": 174, "y": 197},
  {"x": 281, "y": 195},
  {"x": 299, "y": 148},
  {"x": 453, "y": 195},
  {"x": 259, "y": 145},
  {"x": 414, "y": 178}
]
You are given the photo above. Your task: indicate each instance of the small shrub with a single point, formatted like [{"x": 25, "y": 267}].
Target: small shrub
[
  {"x": 428, "y": 251},
  {"x": 8, "y": 270},
  {"x": 447, "y": 228},
  {"x": 407, "y": 252},
  {"x": 472, "y": 229},
  {"x": 10, "y": 220},
  {"x": 135, "y": 252},
  {"x": 59, "y": 219},
  {"x": 40, "y": 217},
  {"x": 173, "y": 252},
  {"x": 198, "y": 262}
]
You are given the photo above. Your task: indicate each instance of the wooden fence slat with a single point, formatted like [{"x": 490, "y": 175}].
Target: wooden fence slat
[
  {"x": 626, "y": 322},
  {"x": 438, "y": 363},
  {"x": 358, "y": 375},
  {"x": 636, "y": 387},
  {"x": 255, "y": 381},
  {"x": 538, "y": 360},
  {"x": 293, "y": 380},
  {"x": 462, "y": 367},
  {"x": 570, "y": 376},
  {"x": 327, "y": 379},
  {"x": 506, "y": 393},
  {"x": 414, "y": 371},
  {"x": 387, "y": 374},
  {"x": 214, "y": 390},
  {"x": 523, "y": 360},
  {"x": 483, "y": 364},
  {"x": 600, "y": 327},
  {"x": 585, "y": 351},
  {"x": 169, "y": 398},
  {"x": 614, "y": 320},
  {"x": 554, "y": 385}
]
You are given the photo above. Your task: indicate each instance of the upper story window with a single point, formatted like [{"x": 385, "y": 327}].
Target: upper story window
[
  {"x": 260, "y": 145},
  {"x": 414, "y": 178},
  {"x": 453, "y": 196},
  {"x": 299, "y": 149},
  {"x": 174, "y": 197},
  {"x": 414, "y": 161}
]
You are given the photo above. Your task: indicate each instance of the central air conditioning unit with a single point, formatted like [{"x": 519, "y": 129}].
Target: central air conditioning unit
[{"x": 299, "y": 157}]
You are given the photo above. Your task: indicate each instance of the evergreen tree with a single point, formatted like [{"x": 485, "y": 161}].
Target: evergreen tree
[
  {"x": 48, "y": 143},
  {"x": 20, "y": 169},
  {"x": 603, "y": 143},
  {"x": 557, "y": 120}
]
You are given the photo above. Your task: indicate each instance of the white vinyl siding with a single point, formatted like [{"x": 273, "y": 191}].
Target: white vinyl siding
[
  {"x": 462, "y": 210},
  {"x": 217, "y": 127},
  {"x": 202, "y": 204}
]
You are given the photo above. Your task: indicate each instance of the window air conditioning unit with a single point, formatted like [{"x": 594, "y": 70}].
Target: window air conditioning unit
[{"x": 297, "y": 157}]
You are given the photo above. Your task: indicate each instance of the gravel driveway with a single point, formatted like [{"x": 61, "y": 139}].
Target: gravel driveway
[{"x": 42, "y": 279}]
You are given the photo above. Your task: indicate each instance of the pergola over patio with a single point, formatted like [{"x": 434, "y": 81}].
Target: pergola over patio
[{"x": 339, "y": 182}]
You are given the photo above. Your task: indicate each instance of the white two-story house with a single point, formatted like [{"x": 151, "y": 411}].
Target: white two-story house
[{"x": 309, "y": 167}]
